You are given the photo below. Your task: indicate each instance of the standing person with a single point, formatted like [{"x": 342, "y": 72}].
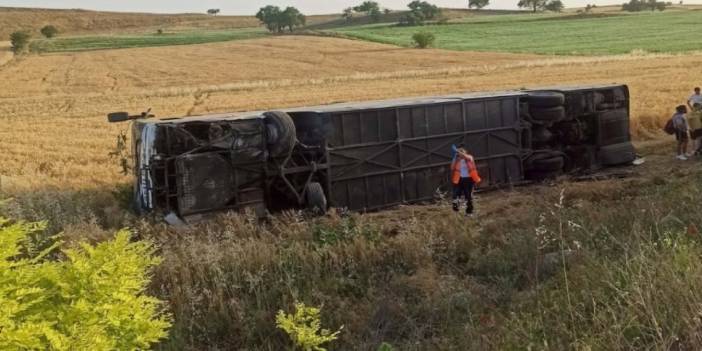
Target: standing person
[
  {"x": 464, "y": 177},
  {"x": 695, "y": 98},
  {"x": 681, "y": 128},
  {"x": 694, "y": 122}
]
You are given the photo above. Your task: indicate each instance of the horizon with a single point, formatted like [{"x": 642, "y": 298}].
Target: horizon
[{"x": 309, "y": 7}]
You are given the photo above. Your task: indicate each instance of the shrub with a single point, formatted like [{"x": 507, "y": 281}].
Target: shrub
[
  {"x": 159, "y": 31},
  {"x": 304, "y": 328},
  {"x": 49, "y": 31},
  {"x": 19, "y": 41},
  {"x": 423, "y": 39},
  {"x": 91, "y": 300}
]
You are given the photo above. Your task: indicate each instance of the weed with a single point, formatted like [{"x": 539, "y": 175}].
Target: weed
[{"x": 304, "y": 327}]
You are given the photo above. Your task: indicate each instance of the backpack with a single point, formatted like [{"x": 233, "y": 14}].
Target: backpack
[{"x": 669, "y": 127}]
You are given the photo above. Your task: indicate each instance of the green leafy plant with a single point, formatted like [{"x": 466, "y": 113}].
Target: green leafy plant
[
  {"x": 423, "y": 39},
  {"x": 19, "y": 41},
  {"x": 92, "y": 300},
  {"x": 304, "y": 328},
  {"x": 49, "y": 31}
]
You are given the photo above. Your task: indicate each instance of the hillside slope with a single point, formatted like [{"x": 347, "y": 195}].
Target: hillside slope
[
  {"x": 83, "y": 21},
  {"x": 76, "y": 21}
]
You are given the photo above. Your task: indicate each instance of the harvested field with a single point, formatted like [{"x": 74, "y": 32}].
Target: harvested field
[{"x": 67, "y": 95}]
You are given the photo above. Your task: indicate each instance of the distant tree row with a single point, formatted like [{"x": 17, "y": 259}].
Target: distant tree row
[
  {"x": 19, "y": 40},
  {"x": 277, "y": 20},
  {"x": 478, "y": 4},
  {"x": 419, "y": 12},
  {"x": 213, "y": 12},
  {"x": 643, "y": 5},
  {"x": 541, "y": 5}
]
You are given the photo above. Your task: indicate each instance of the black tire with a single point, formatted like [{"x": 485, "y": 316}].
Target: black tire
[
  {"x": 316, "y": 200},
  {"x": 544, "y": 99},
  {"x": 617, "y": 154},
  {"x": 281, "y": 133},
  {"x": 548, "y": 165},
  {"x": 550, "y": 115},
  {"x": 612, "y": 127},
  {"x": 541, "y": 135}
]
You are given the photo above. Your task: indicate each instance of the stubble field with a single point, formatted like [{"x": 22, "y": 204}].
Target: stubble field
[
  {"x": 413, "y": 277},
  {"x": 53, "y": 106}
]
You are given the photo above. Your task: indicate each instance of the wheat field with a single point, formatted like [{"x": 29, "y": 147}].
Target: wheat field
[{"x": 53, "y": 106}]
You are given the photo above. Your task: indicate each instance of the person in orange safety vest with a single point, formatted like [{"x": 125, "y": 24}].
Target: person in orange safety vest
[{"x": 464, "y": 177}]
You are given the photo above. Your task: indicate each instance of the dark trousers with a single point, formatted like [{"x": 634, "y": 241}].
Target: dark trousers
[{"x": 463, "y": 188}]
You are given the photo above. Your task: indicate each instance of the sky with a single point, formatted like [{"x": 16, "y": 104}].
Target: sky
[{"x": 249, "y": 7}]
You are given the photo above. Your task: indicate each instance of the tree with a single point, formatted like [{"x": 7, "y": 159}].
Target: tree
[
  {"x": 554, "y": 6},
  {"x": 85, "y": 298},
  {"x": 213, "y": 12},
  {"x": 534, "y": 5},
  {"x": 478, "y": 4},
  {"x": 276, "y": 20},
  {"x": 347, "y": 14},
  {"x": 292, "y": 17},
  {"x": 419, "y": 12},
  {"x": 270, "y": 16},
  {"x": 654, "y": 5},
  {"x": 411, "y": 19},
  {"x": 426, "y": 10},
  {"x": 371, "y": 8},
  {"x": 641, "y": 5},
  {"x": 19, "y": 41},
  {"x": 49, "y": 31}
]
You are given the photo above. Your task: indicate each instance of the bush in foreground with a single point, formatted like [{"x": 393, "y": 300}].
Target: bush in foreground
[
  {"x": 93, "y": 299},
  {"x": 423, "y": 40},
  {"x": 305, "y": 328}
]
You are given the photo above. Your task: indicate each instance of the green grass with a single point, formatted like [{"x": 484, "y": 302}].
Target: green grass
[
  {"x": 673, "y": 31},
  {"x": 100, "y": 42}
]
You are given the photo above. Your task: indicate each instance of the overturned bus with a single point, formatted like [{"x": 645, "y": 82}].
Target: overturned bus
[{"x": 371, "y": 155}]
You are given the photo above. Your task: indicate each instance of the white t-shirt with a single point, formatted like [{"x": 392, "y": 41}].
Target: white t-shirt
[
  {"x": 695, "y": 99},
  {"x": 463, "y": 166}
]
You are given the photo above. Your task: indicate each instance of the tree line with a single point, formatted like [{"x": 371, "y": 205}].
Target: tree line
[{"x": 277, "y": 20}]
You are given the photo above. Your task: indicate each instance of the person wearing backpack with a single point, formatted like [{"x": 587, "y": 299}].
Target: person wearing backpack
[{"x": 680, "y": 126}]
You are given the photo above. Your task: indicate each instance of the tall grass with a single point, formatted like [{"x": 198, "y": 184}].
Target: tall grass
[
  {"x": 595, "y": 265},
  {"x": 432, "y": 281}
]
